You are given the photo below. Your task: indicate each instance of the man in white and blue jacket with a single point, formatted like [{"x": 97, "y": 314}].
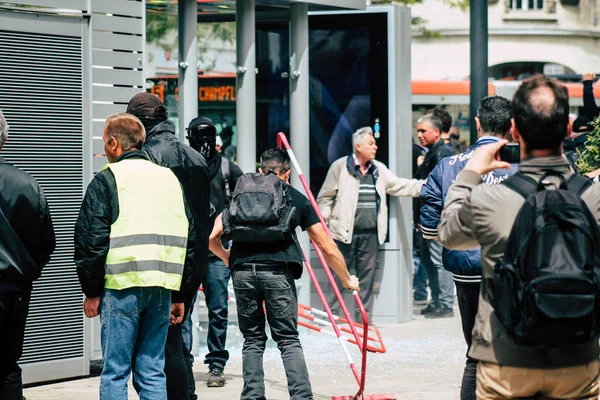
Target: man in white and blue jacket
[{"x": 493, "y": 124}]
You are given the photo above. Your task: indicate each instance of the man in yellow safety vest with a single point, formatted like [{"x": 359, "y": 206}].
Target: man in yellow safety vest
[{"x": 131, "y": 240}]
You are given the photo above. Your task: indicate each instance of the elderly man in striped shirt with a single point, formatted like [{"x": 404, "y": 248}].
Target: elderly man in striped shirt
[{"x": 353, "y": 201}]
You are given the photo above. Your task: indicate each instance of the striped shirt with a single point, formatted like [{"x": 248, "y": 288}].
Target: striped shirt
[{"x": 366, "y": 209}]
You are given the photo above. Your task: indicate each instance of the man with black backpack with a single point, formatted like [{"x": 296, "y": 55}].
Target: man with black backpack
[
  {"x": 536, "y": 331},
  {"x": 265, "y": 259},
  {"x": 202, "y": 132},
  {"x": 493, "y": 122}
]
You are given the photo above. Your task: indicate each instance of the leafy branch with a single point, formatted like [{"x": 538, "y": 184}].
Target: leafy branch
[{"x": 589, "y": 157}]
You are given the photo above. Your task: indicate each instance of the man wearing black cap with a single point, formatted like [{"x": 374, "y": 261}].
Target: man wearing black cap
[
  {"x": 194, "y": 171},
  {"x": 202, "y": 135}
]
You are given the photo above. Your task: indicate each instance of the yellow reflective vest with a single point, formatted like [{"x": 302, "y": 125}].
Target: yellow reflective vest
[{"x": 149, "y": 238}]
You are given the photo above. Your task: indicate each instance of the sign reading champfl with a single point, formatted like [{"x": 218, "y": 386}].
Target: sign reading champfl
[
  {"x": 216, "y": 93},
  {"x": 214, "y": 90}
]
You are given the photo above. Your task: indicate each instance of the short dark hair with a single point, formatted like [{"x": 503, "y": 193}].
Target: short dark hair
[
  {"x": 275, "y": 160},
  {"x": 444, "y": 116},
  {"x": 495, "y": 114},
  {"x": 541, "y": 112},
  {"x": 431, "y": 120}
]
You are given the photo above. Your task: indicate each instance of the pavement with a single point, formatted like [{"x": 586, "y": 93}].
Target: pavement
[{"x": 424, "y": 360}]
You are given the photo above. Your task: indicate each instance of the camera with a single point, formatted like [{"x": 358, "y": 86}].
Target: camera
[{"x": 510, "y": 153}]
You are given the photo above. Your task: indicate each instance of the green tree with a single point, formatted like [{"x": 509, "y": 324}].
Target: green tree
[
  {"x": 589, "y": 158},
  {"x": 161, "y": 29}
]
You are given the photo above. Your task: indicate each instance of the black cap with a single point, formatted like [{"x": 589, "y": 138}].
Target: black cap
[
  {"x": 202, "y": 126},
  {"x": 582, "y": 124},
  {"x": 147, "y": 106}
]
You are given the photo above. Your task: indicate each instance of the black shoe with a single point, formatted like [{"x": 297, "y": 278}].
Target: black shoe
[
  {"x": 429, "y": 309},
  {"x": 442, "y": 312},
  {"x": 216, "y": 377}
]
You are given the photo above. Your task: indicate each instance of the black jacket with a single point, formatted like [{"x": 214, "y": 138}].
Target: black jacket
[
  {"x": 26, "y": 232},
  {"x": 217, "y": 184},
  {"x": 100, "y": 209},
  {"x": 218, "y": 197},
  {"x": 439, "y": 151},
  {"x": 456, "y": 146},
  {"x": 194, "y": 174}
]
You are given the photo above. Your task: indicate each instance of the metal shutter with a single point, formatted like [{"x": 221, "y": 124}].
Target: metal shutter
[
  {"x": 41, "y": 95},
  {"x": 118, "y": 41}
]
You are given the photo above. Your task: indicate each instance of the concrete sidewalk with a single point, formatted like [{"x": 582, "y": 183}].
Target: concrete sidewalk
[{"x": 424, "y": 360}]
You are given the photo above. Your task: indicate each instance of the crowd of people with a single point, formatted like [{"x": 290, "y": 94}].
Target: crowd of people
[{"x": 519, "y": 241}]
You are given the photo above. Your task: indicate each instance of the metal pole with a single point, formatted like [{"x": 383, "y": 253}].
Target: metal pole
[
  {"x": 188, "y": 61},
  {"x": 479, "y": 60},
  {"x": 246, "y": 84},
  {"x": 299, "y": 108}
]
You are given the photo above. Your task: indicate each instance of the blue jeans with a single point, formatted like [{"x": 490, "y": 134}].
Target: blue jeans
[
  {"x": 440, "y": 280},
  {"x": 215, "y": 292},
  {"x": 134, "y": 331},
  {"x": 419, "y": 278},
  {"x": 274, "y": 285}
]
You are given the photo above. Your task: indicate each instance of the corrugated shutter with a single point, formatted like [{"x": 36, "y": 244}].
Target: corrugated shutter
[
  {"x": 42, "y": 97},
  {"x": 118, "y": 41}
]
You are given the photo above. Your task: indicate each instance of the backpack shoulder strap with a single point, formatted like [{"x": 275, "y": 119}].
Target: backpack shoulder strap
[
  {"x": 521, "y": 184},
  {"x": 578, "y": 184},
  {"x": 226, "y": 173}
]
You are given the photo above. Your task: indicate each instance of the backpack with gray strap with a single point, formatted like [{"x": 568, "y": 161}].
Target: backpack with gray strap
[
  {"x": 260, "y": 210},
  {"x": 546, "y": 288}
]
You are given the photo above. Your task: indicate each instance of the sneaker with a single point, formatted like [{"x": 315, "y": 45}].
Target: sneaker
[
  {"x": 216, "y": 378},
  {"x": 429, "y": 309},
  {"x": 420, "y": 302},
  {"x": 442, "y": 312}
]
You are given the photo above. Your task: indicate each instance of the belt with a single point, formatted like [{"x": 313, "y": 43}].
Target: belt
[{"x": 261, "y": 267}]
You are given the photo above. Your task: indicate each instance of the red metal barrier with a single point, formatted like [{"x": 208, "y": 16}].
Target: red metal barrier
[{"x": 362, "y": 344}]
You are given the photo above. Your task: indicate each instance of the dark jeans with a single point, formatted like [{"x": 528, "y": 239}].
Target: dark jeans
[
  {"x": 440, "y": 280},
  {"x": 188, "y": 337},
  {"x": 468, "y": 300},
  {"x": 216, "y": 294},
  {"x": 13, "y": 313},
  {"x": 178, "y": 366},
  {"x": 419, "y": 278},
  {"x": 361, "y": 256},
  {"x": 274, "y": 285}
]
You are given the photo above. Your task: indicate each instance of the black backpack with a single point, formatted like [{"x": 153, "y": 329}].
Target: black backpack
[
  {"x": 546, "y": 286},
  {"x": 260, "y": 210}
]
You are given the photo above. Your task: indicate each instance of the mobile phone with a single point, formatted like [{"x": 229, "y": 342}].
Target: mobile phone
[{"x": 510, "y": 153}]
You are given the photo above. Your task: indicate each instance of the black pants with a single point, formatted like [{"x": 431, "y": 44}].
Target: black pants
[
  {"x": 181, "y": 384},
  {"x": 468, "y": 300},
  {"x": 274, "y": 285},
  {"x": 361, "y": 256},
  {"x": 14, "y": 308}
]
